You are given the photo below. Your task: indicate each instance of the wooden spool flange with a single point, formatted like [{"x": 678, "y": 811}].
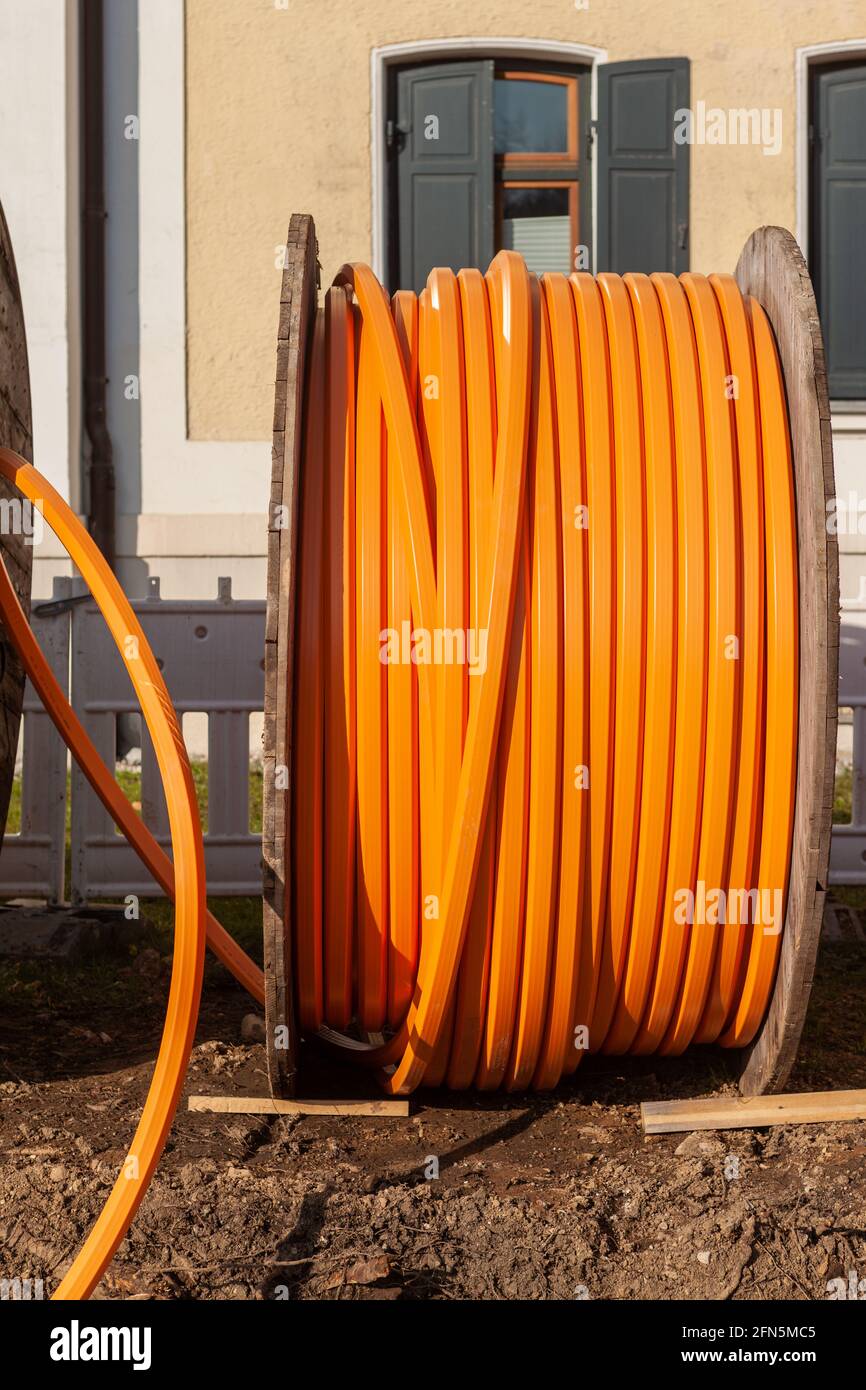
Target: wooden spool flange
[
  {"x": 297, "y": 313},
  {"x": 16, "y": 432},
  {"x": 772, "y": 269}
]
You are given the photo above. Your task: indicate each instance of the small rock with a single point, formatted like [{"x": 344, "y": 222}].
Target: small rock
[
  {"x": 253, "y": 1028},
  {"x": 148, "y": 963},
  {"x": 699, "y": 1144},
  {"x": 703, "y": 1257},
  {"x": 57, "y": 1173},
  {"x": 368, "y": 1271}
]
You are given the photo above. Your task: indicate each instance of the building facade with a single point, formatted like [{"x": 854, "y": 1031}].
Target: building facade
[{"x": 600, "y": 134}]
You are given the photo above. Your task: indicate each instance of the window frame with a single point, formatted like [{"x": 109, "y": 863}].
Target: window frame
[
  {"x": 572, "y": 185},
  {"x": 534, "y": 55},
  {"x": 551, "y": 169},
  {"x": 542, "y": 73},
  {"x": 842, "y": 60}
]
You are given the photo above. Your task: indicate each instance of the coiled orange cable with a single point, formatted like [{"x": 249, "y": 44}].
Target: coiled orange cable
[{"x": 546, "y": 695}]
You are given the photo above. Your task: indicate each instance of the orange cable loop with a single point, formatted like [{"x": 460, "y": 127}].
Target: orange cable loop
[{"x": 182, "y": 881}]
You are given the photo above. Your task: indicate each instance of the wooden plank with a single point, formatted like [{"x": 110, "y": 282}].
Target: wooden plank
[
  {"x": 16, "y": 432},
  {"x": 772, "y": 269},
  {"x": 297, "y": 310},
  {"x": 274, "y": 1105},
  {"x": 747, "y": 1112}
]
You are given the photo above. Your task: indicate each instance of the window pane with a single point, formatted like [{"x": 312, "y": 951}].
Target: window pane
[
  {"x": 530, "y": 117},
  {"x": 534, "y": 202},
  {"x": 535, "y": 222}
]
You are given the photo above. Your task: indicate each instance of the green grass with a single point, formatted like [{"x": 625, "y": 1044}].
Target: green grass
[
  {"x": 842, "y": 795},
  {"x": 13, "y": 819},
  {"x": 129, "y": 780},
  {"x": 241, "y": 917},
  {"x": 854, "y": 897}
]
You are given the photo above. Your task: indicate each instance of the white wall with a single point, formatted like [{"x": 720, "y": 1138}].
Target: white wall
[{"x": 38, "y": 188}]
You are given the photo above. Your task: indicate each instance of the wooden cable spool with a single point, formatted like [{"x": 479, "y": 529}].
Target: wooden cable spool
[
  {"x": 16, "y": 432},
  {"x": 772, "y": 270}
]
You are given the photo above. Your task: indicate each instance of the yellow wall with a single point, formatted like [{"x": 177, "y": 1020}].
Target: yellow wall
[{"x": 278, "y": 121}]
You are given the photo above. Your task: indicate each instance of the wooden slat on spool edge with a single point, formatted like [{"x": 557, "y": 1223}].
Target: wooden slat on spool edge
[
  {"x": 297, "y": 309},
  {"x": 772, "y": 269},
  {"x": 16, "y": 432}
]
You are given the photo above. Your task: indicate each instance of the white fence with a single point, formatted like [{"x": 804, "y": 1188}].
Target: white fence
[
  {"x": 32, "y": 862},
  {"x": 211, "y": 653},
  {"x": 848, "y": 853}
]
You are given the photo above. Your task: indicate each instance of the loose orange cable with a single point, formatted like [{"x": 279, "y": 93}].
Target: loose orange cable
[
  {"x": 187, "y": 964},
  {"x": 575, "y": 476}
]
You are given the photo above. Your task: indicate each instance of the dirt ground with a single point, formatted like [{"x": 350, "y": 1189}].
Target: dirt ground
[{"x": 555, "y": 1196}]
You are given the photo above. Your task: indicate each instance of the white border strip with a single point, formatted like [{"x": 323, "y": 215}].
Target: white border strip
[{"x": 431, "y": 50}]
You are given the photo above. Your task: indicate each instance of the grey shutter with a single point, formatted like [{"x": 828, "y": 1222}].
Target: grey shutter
[
  {"x": 839, "y": 225},
  {"x": 643, "y": 174},
  {"x": 444, "y": 184}
]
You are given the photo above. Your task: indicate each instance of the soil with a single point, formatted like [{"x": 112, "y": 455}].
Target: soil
[{"x": 537, "y": 1196}]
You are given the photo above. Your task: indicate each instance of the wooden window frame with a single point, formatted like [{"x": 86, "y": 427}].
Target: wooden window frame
[
  {"x": 548, "y": 157},
  {"x": 572, "y": 185},
  {"x": 544, "y": 169}
]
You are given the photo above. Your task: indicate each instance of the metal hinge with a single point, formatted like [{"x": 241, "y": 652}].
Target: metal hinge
[{"x": 392, "y": 130}]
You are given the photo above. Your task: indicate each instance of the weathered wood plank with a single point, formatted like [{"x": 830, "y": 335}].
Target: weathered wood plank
[
  {"x": 274, "y": 1105},
  {"x": 297, "y": 310},
  {"x": 748, "y": 1112},
  {"x": 772, "y": 269}
]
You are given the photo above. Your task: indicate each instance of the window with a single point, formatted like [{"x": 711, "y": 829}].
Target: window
[
  {"x": 488, "y": 155},
  {"x": 537, "y": 169},
  {"x": 837, "y": 197}
]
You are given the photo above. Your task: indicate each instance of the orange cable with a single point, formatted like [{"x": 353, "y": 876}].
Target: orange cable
[
  {"x": 570, "y": 843},
  {"x": 187, "y": 964}
]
